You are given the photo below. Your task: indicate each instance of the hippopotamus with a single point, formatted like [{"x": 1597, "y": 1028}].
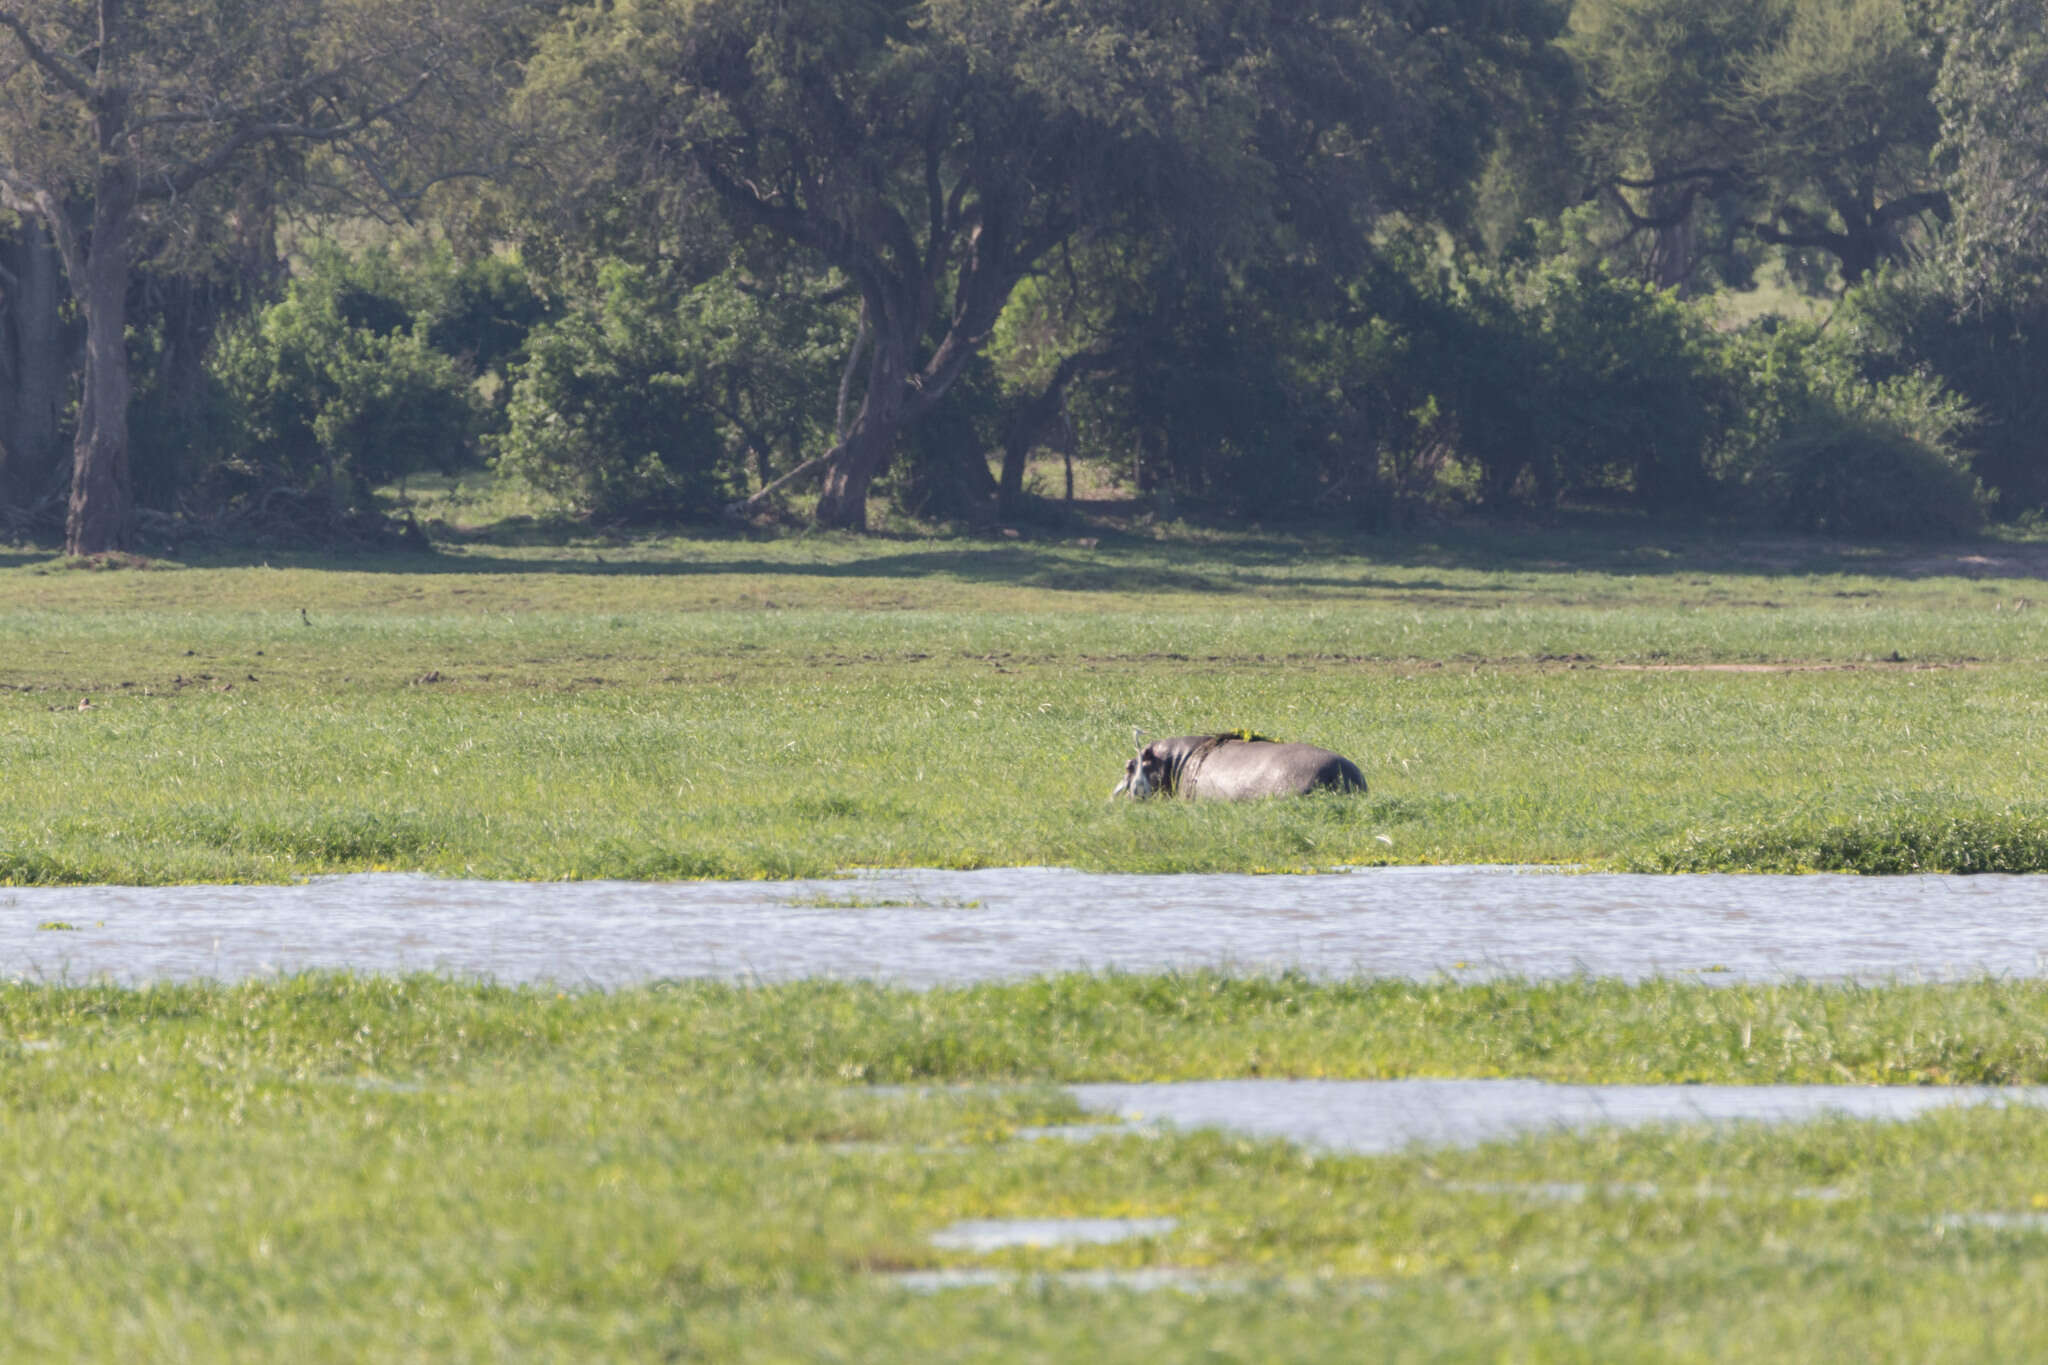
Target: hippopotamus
[{"x": 1233, "y": 767}]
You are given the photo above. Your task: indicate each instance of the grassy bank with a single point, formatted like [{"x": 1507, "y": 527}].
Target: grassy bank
[
  {"x": 349, "y": 1169},
  {"x": 750, "y": 707}
]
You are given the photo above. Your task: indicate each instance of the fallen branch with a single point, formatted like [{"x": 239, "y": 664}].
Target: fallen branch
[{"x": 747, "y": 506}]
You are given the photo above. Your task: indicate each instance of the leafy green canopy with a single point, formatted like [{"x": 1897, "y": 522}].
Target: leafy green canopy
[
  {"x": 1994, "y": 141},
  {"x": 936, "y": 154},
  {"x": 1801, "y": 124}
]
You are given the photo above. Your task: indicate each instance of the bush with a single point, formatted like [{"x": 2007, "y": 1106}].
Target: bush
[
  {"x": 1908, "y": 323},
  {"x": 1821, "y": 449},
  {"x": 1860, "y": 474},
  {"x": 606, "y": 411},
  {"x": 1631, "y": 387},
  {"x": 1556, "y": 381},
  {"x": 313, "y": 397},
  {"x": 336, "y": 388}
]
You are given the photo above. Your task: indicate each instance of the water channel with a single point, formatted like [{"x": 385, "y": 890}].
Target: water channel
[{"x": 922, "y": 928}]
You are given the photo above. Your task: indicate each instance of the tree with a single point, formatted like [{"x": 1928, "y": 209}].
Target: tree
[
  {"x": 935, "y": 153},
  {"x": 1994, "y": 145},
  {"x": 1803, "y": 123},
  {"x": 122, "y": 128},
  {"x": 1657, "y": 133},
  {"x": 650, "y": 399},
  {"x": 36, "y": 343},
  {"x": 1841, "y": 124}
]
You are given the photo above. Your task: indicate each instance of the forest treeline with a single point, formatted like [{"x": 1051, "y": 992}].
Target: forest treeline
[{"x": 670, "y": 260}]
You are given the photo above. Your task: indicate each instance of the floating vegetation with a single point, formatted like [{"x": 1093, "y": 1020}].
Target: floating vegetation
[{"x": 2005, "y": 841}]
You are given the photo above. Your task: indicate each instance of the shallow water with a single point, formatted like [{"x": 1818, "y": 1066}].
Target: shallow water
[
  {"x": 1579, "y": 1191},
  {"x": 993, "y": 1234},
  {"x": 1144, "y": 1280},
  {"x": 922, "y": 928},
  {"x": 1997, "y": 1220},
  {"x": 1387, "y": 1116}
]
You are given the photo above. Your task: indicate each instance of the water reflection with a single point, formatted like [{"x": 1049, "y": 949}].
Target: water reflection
[{"x": 923, "y": 928}]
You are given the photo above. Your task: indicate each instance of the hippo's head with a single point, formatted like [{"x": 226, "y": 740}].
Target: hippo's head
[{"x": 1144, "y": 774}]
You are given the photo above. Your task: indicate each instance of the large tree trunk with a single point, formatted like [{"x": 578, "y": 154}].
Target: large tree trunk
[
  {"x": 1863, "y": 239},
  {"x": 98, "y": 516},
  {"x": 1674, "y": 239},
  {"x": 1032, "y": 418},
  {"x": 35, "y": 365},
  {"x": 843, "y": 502}
]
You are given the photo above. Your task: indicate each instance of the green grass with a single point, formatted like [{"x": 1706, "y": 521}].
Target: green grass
[
  {"x": 375, "y": 1169},
  {"x": 748, "y": 706},
  {"x": 363, "y": 1169}
]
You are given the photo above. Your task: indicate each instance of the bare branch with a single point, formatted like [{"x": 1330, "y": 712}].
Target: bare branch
[
  {"x": 1927, "y": 201},
  {"x": 193, "y": 172},
  {"x": 1835, "y": 242},
  {"x": 1670, "y": 178},
  {"x": 251, "y": 107},
  {"x": 937, "y": 206},
  {"x": 835, "y": 243},
  {"x": 1651, "y": 222},
  {"x": 747, "y": 505},
  {"x": 58, "y": 68},
  {"x": 42, "y": 204},
  {"x": 1800, "y": 229},
  {"x": 17, "y": 191},
  {"x": 1056, "y": 229}
]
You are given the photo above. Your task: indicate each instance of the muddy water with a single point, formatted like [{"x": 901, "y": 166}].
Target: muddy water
[{"x": 922, "y": 928}]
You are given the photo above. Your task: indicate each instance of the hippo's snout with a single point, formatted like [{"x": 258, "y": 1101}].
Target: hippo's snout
[{"x": 1134, "y": 782}]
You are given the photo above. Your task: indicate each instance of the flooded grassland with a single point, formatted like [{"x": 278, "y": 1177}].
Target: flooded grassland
[
  {"x": 390, "y": 1168},
  {"x": 936, "y": 1164},
  {"x": 735, "y": 708}
]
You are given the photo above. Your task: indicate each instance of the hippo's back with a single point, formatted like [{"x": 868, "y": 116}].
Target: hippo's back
[{"x": 1244, "y": 770}]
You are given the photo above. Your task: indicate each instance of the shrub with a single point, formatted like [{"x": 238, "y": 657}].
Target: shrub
[
  {"x": 607, "y": 413},
  {"x": 1907, "y": 323},
  {"x": 1860, "y": 474},
  {"x": 1631, "y": 385},
  {"x": 315, "y": 397},
  {"x": 1820, "y": 449},
  {"x": 335, "y": 389},
  {"x": 1563, "y": 380}
]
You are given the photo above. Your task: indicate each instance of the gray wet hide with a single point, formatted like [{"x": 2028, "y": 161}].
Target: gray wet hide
[{"x": 1235, "y": 767}]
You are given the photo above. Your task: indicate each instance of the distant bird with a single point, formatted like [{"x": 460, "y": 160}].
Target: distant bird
[{"x": 303, "y": 618}]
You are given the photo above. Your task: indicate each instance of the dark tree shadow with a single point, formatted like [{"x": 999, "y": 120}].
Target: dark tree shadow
[
  {"x": 18, "y": 556},
  {"x": 1220, "y": 559}
]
